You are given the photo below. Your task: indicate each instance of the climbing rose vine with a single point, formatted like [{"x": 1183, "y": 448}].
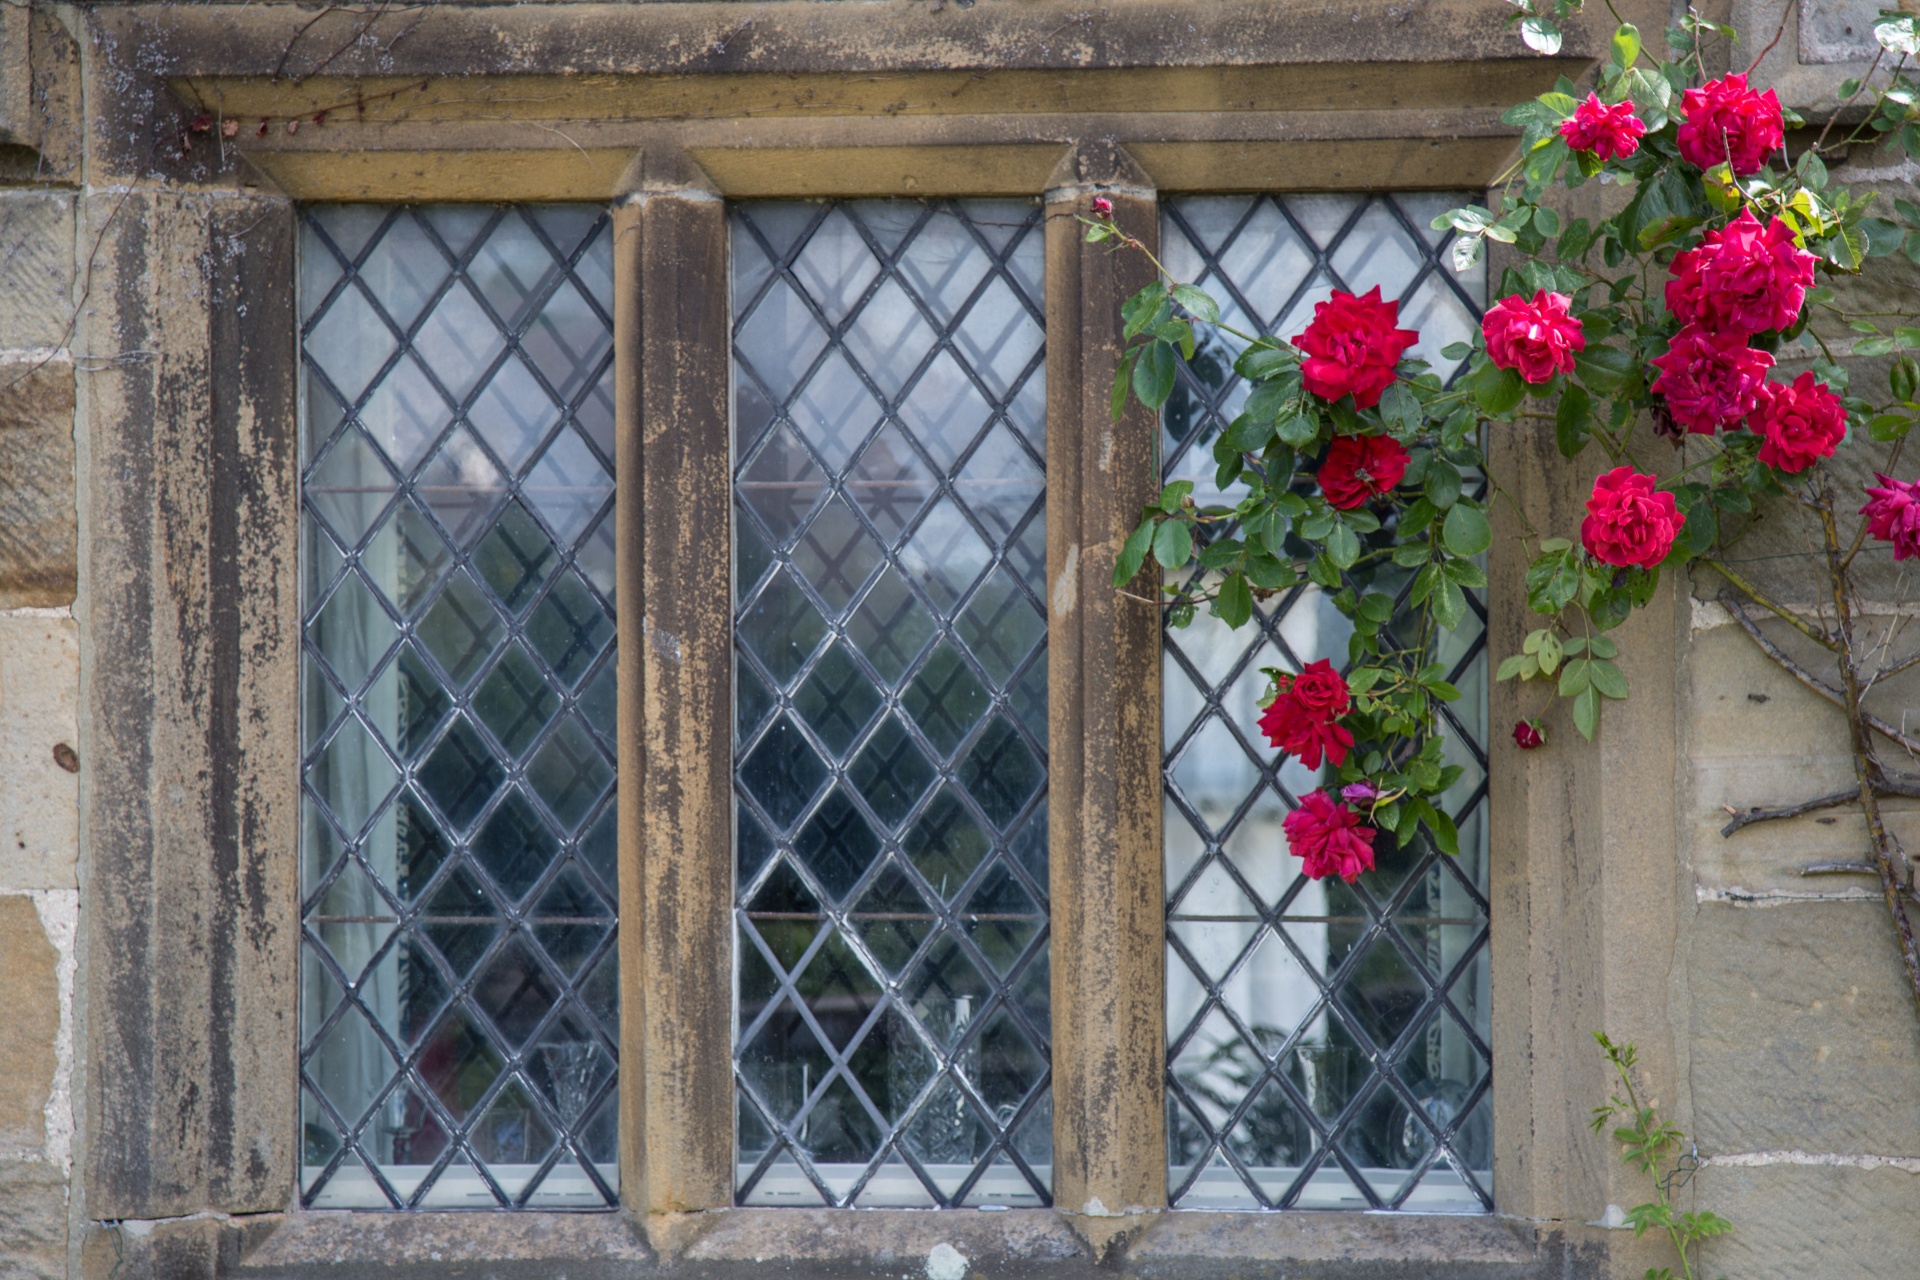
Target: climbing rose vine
[{"x": 1655, "y": 336}]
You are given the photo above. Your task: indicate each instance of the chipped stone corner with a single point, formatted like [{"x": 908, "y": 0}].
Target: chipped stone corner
[{"x": 59, "y": 912}]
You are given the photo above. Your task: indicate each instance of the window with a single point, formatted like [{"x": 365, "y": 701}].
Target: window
[
  {"x": 891, "y": 691},
  {"x": 1327, "y": 1044},
  {"x": 458, "y": 973}
]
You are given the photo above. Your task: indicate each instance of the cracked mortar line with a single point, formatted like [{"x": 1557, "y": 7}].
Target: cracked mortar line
[
  {"x": 1767, "y": 1159},
  {"x": 61, "y": 611}
]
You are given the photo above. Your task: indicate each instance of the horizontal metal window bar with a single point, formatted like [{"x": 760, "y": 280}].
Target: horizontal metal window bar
[
  {"x": 985, "y": 918},
  {"x": 1409, "y": 921},
  {"x": 607, "y": 919}
]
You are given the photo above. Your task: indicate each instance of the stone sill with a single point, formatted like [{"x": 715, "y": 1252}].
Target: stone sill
[{"x": 896, "y": 1242}]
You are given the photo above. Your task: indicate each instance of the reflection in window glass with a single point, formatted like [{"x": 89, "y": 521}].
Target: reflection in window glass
[
  {"x": 1327, "y": 1044},
  {"x": 458, "y": 976},
  {"x": 890, "y": 777}
]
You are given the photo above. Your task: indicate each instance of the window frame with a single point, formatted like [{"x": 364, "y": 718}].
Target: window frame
[{"x": 672, "y": 448}]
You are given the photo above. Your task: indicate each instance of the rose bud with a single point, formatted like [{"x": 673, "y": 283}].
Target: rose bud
[
  {"x": 1102, "y": 207},
  {"x": 1528, "y": 735}
]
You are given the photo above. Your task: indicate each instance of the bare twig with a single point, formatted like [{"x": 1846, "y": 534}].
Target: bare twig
[
  {"x": 1882, "y": 843},
  {"x": 1777, "y": 33},
  {"x": 1752, "y": 816},
  {"x": 1786, "y": 615},
  {"x": 1806, "y": 677}
]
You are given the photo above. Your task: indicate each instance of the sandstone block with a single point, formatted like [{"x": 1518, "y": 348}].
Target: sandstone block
[
  {"x": 1811, "y": 1222},
  {"x": 29, "y": 1024},
  {"x": 39, "y": 525},
  {"x": 1803, "y": 1031},
  {"x": 1757, "y": 737},
  {"x": 36, "y": 267},
  {"x": 33, "y": 1220},
  {"x": 39, "y": 714}
]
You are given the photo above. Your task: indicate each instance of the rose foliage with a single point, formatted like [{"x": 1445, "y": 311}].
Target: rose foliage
[{"x": 1672, "y": 337}]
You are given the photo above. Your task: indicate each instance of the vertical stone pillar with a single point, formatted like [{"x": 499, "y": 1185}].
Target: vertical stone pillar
[
  {"x": 1109, "y": 1021},
  {"x": 676, "y": 696}
]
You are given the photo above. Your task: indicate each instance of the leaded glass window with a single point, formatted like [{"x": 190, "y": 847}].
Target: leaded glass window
[
  {"x": 890, "y": 752},
  {"x": 458, "y": 979},
  {"x": 1326, "y": 1043}
]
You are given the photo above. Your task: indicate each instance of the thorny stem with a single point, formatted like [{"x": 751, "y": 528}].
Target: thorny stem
[
  {"x": 1786, "y": 615},
  {"x": 1885, "y": 847}
]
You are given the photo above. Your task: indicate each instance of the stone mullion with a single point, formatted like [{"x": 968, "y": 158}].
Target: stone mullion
[
  {"x": 1110, "y": 1153},
  {"x": 676, "y": 693}
]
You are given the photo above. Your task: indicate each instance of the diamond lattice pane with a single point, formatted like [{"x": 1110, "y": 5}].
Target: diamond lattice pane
[
  {"x": 890, "y": 754},
  {"x": 458, "y": 666},
  {"x": 1327, "y": 1045}
]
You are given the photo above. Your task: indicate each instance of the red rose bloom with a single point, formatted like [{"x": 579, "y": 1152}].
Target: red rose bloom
[
  {"x": 1527, "y": 734},
  {"x": 1743, "y": 278},
  {"x": 1304, "y": 736},
  {"x": 1710, "y": 380},
  {"x": 1628, "y": 521},
  {"x": 1300, "y": 720},
  {"x": 1893, "y": 515},
  {"x": 1728, "y": 123},
  {"x": 1801, "y": 423},
  {"x": 1536, "y": 338},
  {"x": 1102, "y": 206},
  {"x": 1610, "y": 132},
  {"x": 1352, "y": 346},
  {"x": 1329, "y": 839},
  {"x": 1321, "y": 690},
  {"x": 1360, "y": 468}
]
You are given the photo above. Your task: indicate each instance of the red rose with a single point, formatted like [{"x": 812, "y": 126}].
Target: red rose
[
  {"x": 1610, "y": 132},
  {"x": 1728, "y": 123},
  {"x": 1628, "y": 521},
  {"x": 1321, "y": 690},
  {"x": 1743, "y": 278},
  {"x": 1102, "y": 207},
  {"x": 1352, "y": 346},
  {"x": 1329, "y": 839},
  {"x": 1710, "y": 380},
  {"x": 1360, "y": 468},
  {"x": 1300, "y": 720},
  {"x": 1893, "y": 515},
  {"x": 1527, "y": 734},
  {"x": 1537, "y": 338},
  {"x": 1802, "y": 423},
  {"x": 1304, "y": 735}
]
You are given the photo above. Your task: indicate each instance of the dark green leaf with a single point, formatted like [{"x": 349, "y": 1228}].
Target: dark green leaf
[
  {"x": 1234, "y": 603},
  {"x": 1133, "y": 553},
  {"x": 1498, "y": 391},
  {"x": 1466, "y": 531},
  {"x": 1572, "y": 420},
  {"x": 1199, "y": 304},
  {"x": 1173, "y": 543},
  {"x": 1343, "y": 548},
  {"x": 1153, "y": 375}
]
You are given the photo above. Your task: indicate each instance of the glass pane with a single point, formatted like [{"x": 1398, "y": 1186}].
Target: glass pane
[
  {"x": 890, "y": 659},
  {"x": 459, "y": 687},
  {"x": 1326, "y": 1043}
]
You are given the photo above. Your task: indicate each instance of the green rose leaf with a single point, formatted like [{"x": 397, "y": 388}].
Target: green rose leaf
[
  {"x": 1173, "y": 544},
  {"x": 1466, "y": 531}
]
